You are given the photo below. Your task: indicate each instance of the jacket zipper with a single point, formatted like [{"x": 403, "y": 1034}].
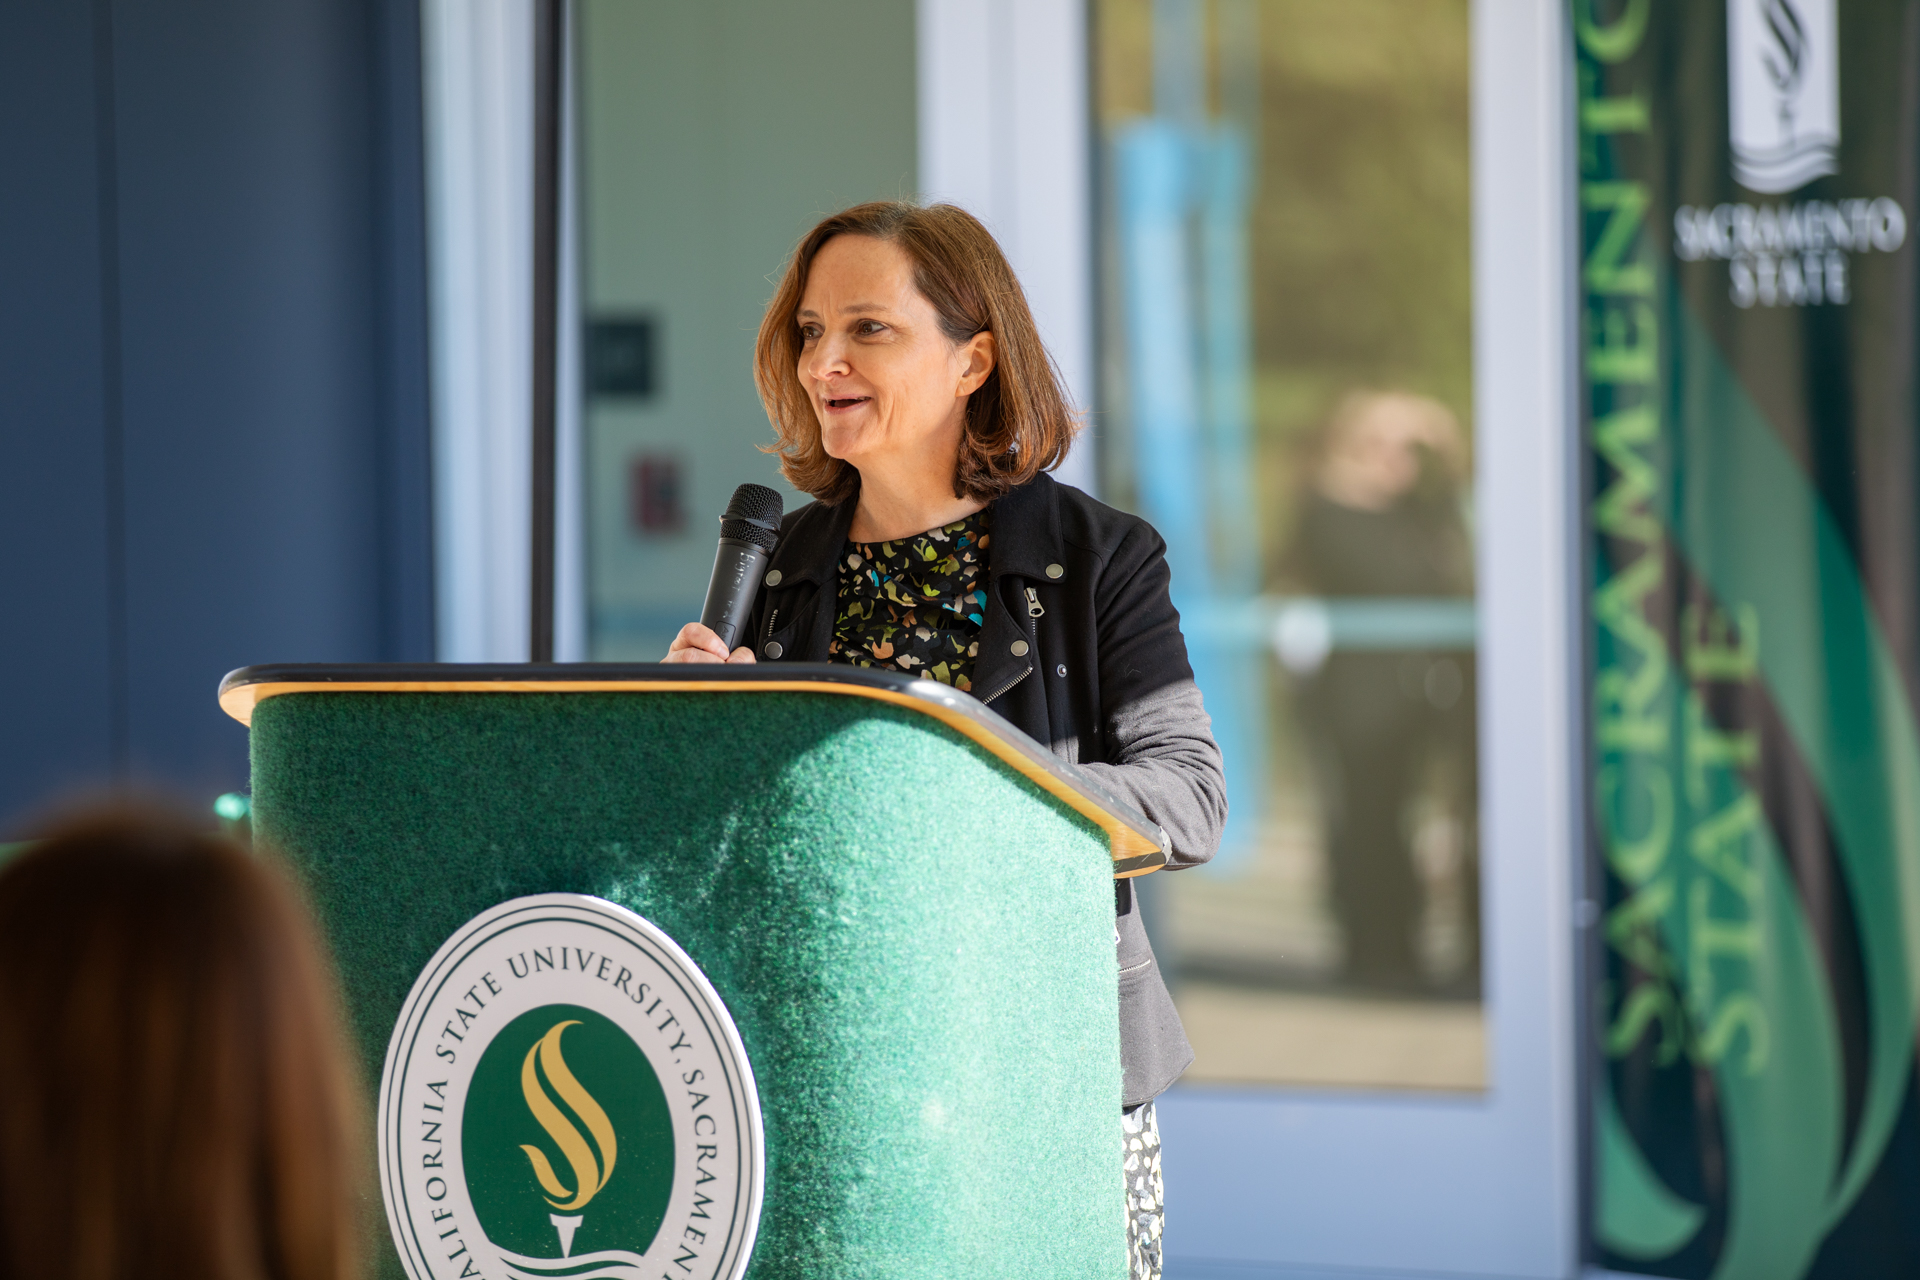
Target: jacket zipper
[
  {"x": 1008, "y": 685},
  {"x": 1034, "y": 610}
]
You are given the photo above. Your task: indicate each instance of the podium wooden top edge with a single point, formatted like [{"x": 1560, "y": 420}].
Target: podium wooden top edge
[{"x": 1137, "y": 844}]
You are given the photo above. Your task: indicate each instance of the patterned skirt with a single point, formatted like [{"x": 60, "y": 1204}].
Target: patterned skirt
[{"x": 1146, "y": 1193}]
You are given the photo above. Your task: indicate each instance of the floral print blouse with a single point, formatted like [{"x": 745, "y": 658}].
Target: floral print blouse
[{"x": 916, "y": 605}]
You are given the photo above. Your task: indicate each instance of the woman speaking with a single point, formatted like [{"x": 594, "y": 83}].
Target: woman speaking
[{"x": 913, "y": 399}]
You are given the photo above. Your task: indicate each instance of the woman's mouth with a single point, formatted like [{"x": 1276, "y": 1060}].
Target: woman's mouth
[{"x": 847, "y": 402}]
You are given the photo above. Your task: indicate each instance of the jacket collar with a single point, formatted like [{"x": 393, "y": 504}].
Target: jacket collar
[
  {"x": 810, "y": 551},
  {"x": 1025, "y": 533}
]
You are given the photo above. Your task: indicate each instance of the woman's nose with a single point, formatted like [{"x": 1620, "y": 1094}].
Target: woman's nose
[{"x": 828, "y": 359}]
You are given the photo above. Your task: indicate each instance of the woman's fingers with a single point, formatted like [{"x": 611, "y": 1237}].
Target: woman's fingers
[
  {"x": 690, "y": 655},
  {"x": 696, "y": 643}
]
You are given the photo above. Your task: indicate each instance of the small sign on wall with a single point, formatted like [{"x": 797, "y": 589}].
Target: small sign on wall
[
  {"x": 623, "y": 357},
  {"x": 654, "y": 495}
]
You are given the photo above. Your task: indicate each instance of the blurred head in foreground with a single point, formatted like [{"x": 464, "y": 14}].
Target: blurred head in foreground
[{"x": 173, "y": 1098}]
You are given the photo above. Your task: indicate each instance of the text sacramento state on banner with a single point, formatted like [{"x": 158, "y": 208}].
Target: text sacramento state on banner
[{"x": 1747, "y": 180}]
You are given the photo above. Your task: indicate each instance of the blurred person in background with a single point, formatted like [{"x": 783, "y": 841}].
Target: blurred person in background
[
  {"x": 174, "y": 1099},
  {"x": 1385, "y": 515}
]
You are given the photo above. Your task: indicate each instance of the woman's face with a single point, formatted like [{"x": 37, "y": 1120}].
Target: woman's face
[{"x": 884, "y": 380}]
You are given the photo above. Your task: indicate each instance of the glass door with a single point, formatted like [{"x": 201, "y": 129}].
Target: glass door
[
  {"x": 1289, "y": 328},
  {"x": 1329, "y": 243}
]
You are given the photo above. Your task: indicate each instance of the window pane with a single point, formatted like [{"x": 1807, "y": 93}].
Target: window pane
[{"x": 1287, "y": 395}]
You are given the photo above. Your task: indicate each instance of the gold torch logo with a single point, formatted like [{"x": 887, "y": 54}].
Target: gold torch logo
[
  {"x": 591, "y": 1164},
  {"x": 524, "y": 1102}
]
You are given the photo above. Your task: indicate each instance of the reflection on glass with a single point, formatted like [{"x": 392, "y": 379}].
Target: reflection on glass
[
  {"x": 1390, "y": 732},
  {"x": 1287, "y": 396}
]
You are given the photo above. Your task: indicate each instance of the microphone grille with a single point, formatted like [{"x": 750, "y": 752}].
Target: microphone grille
[
  {"x": 753, "y": 515},
  {"x": 755, "y": 502}
]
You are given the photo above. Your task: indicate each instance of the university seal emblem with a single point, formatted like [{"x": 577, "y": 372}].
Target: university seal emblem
[{"x": 566, "y": 1098}]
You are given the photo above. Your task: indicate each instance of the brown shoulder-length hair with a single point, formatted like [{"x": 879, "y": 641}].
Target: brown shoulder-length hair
[
  {"x": 1018, "y": 422},
  {"x": 173, "y": 1095}
]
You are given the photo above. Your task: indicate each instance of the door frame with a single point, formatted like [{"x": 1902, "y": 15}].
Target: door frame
[{"x": 1003, "y": 132}]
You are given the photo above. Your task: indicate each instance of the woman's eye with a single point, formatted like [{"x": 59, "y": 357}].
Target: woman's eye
[
  {"x": 808, "y": 332},
  {"x": 867, "y": 328}
]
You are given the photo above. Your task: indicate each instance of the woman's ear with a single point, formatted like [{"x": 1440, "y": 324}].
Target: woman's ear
[{"x": 976, "y": 358}]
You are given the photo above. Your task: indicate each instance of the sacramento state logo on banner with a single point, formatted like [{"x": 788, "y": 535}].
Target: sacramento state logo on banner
[
  {"x": 1783, "y": 91},
  {"x": 566, "y": 1098}
]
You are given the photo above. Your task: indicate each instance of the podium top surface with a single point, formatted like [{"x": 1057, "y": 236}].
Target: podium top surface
[{"x": 1137, "y": 843}]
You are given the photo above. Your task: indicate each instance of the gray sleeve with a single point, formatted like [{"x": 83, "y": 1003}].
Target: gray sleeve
[
  {"x": 1168, "y": 766},
  {"x": 1159, "y": 752}
]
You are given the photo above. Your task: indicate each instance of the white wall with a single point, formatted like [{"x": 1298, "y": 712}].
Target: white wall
[{"x": 711, "y": 143}]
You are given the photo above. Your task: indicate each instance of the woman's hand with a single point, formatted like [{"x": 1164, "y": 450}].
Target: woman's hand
[{"x": 696, "y": 643}]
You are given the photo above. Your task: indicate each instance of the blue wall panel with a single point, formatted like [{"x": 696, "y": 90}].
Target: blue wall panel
[
  {"x": 251, "y": 410},
  {"x": 57, "y": 710},
  {"x": 246, "y": 477}
]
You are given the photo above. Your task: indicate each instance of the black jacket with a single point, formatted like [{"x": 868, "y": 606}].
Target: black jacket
[{"x": 1082, "y": 650}]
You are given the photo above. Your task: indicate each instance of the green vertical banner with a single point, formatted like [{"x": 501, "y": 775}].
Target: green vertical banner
[{"x": 1747, "y": 177}]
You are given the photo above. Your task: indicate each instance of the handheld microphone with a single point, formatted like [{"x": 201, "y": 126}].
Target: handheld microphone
[{"x": 748, "y": 530}]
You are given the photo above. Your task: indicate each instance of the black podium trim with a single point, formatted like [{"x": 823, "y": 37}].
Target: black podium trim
[{"x": 1138, "y": 844}]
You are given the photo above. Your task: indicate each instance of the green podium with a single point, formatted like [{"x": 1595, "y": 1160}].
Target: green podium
[{"x": 666, "y": 971}]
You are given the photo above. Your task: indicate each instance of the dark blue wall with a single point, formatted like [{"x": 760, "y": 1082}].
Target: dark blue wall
[{"x": 213, "y": 397}]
